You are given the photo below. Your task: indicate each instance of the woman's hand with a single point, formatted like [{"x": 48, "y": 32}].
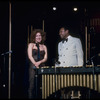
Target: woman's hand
[{"x": 37, "y": 64}]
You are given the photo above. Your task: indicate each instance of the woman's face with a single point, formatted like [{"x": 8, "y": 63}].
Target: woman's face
[{"x": 38, "y": 37}]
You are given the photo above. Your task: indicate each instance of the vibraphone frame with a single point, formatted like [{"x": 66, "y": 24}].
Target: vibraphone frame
[{"x": 68, "y": 77}]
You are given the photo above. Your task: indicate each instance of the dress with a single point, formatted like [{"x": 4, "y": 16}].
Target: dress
[{"x": 32, "y": 71}]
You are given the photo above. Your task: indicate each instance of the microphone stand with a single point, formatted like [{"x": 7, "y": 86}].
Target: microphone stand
[
  {"x": 93, "y": 74},
  {"x": 91, "y": 59},
  {"x": 56, "y": 64},
  {"x": 4, "y": 70},
  {"x": 4, "y": 76}
]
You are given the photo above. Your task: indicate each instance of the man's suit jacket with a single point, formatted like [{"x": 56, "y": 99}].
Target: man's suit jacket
[{"x": 70, "y": 53}]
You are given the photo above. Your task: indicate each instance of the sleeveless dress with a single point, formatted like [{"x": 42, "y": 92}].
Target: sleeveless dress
[
  {"x": 31, "y": 90},
  {"x": 34, "y": 54}
]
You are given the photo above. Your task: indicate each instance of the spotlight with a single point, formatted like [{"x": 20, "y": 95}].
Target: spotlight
[
  {"x": 75, "y": 9},
  {"x": 4, "y": 85},
  {"x": 54, "y": 8}
]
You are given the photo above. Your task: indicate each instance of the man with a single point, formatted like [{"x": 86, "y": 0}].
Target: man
[{"x": 70, "y": 51}]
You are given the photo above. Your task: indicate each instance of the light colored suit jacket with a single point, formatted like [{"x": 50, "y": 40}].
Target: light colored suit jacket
[{"x": 70, "y": 53}]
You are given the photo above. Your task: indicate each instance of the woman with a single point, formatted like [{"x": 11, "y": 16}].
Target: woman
[{"x": 37, "y": 37}]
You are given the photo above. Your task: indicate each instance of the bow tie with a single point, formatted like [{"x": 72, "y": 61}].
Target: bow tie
[{"x": 64, "y": 40}]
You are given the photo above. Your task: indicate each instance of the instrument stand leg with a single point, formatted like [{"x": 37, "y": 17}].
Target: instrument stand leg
[
  {"x": 55, "y": 81},
  {"x": 89, "y": 93},
  {"x": 75, "y": 94}
]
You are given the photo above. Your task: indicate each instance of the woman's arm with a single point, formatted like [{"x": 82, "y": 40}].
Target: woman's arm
[{"x": 30, "y": 53}]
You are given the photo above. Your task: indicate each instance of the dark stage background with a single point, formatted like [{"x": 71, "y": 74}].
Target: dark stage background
[{"x": 33, "y": 13}]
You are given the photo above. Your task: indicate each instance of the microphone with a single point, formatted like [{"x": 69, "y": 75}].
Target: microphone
[
  {"x": 93, "y": 57},
  {"x": 57, "y": 62},
  {"x": 6, "y": 53}
]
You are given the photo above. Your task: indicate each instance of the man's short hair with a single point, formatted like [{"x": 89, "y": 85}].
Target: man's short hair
[{"x": 65, "y": 27}]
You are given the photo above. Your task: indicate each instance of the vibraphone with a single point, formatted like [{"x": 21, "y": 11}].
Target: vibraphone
[{"x": 54, "y": 79}]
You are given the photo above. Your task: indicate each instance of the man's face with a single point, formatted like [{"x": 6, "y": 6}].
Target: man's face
[{"x": 63, "y": 34}]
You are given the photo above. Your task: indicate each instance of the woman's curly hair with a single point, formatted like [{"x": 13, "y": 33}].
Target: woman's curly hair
[{"x": 33, "y": 35}]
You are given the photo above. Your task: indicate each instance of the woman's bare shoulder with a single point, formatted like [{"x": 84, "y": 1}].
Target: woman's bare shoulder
[
  {"x": 31, "y": 44},
  {"x": 44, "y": 46}
]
